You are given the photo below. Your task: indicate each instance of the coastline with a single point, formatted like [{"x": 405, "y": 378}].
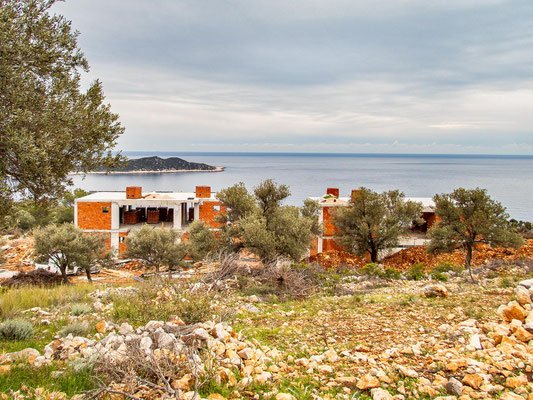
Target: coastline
[{"x": 141, "y": 172}]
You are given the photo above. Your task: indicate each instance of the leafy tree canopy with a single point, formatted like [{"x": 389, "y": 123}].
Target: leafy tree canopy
[
  {"x": 158, "y": 247},
  {"x": 48, "y": 126},
  {"x": 263, "y": 225},
  {"x": 374, "y": 221},
  {"x": 469, "y": 217},
  {"x": 67, "y": 246}
]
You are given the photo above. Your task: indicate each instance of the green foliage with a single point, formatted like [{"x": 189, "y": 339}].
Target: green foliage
[
  {"x": 470, "y": 217},
  {"x": 445, "y": 266},
  {"x": 75, "y": 329},
  {"x": 416, "y": 272},
  {"x": 16, "y": 329},
  {"x": 439, "y": 276},
  {"x": 159, "y": 299},
  {"x": 48, "y": 126},
  {"x": 26, "y": 377},
  {"x": 67, "y": 246},
  {"x": 78, "y": 309},
  {"x": 373, "y": 221},
  {"x": 239, "y": 202},
  {"x": 263, "y": 225},
  {"x": 24, "y": 298},
  {"x": 374, "y": 269},
  {"x": 506, "y": 282},
  {"x": 28, "y": 214},
  {"x": 201, "y": 241},
  {"x": 158, "y": 247}
]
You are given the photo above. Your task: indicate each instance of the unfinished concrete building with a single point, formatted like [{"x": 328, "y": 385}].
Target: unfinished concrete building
[
  {"x": 116, "y": 214},
  {"x": 328, "y": 202}
]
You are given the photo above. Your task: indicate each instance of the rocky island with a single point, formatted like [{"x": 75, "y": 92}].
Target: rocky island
[{"x": 155, "y": 164}]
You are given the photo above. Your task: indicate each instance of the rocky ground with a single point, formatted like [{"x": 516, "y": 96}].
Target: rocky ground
[{"x": 391, "y": 339}]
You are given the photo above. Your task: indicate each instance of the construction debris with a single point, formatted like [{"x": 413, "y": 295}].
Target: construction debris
[{"x": 336, "y": 259}]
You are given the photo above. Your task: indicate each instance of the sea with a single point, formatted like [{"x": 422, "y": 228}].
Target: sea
[{"x": 508, "y": 179}]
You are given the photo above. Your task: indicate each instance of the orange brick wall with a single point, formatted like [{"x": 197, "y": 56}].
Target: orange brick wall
[
  {"x": 329, "y": 228},
  {"x": 203, "y": 191},
  {"x": 330, "y": 244},
  {"x": 313, "y": 250},
  {"x": 208, "y": 213},
  {"x": 91, "y": 216},
  {"x": 121, "y": 246}
]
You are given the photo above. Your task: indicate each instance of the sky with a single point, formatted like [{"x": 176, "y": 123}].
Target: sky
[{"x": 381, "y": 76}]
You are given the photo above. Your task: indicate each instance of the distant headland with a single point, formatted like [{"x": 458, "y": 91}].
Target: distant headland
[{"x": 155, "y": 165}]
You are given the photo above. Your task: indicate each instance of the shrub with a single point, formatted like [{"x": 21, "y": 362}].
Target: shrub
[
  {"x": 76, "y": 329},
  {"x": 373, "y": 269},
  {"x": 416, "y": 272},
  {"x": 445, "y": 266},
  {"x": 159, "y": 299},
  {"x": 78, "y": 309},
  {"x": 16, "y": 329},
  {"x": 201, "y": 241},
  {"x": 439, "y": 276},
  {"x": 506, "y": 282}
]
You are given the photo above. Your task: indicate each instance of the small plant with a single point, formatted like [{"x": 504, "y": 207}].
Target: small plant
[
  {"x": 78, "y": 309},
  {"x": 373, "y": 269},
  {"x": 76, "y": 329},
  {"x": 445, "y": 266},
  {"x": 506, "y": 282},
  {"x": 16, "y": 329},
  {"x": 391, "y": 273},
  {"x": 416, "y": 272},
  {"x": 439, "y": 276}
]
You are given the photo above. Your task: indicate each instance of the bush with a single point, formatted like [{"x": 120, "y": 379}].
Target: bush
[
  {"x": 78, "y": 309},
  {"x": 439, "y": 276},
  {"x": 201, "y": 241},
  {"x": 445, "y": 266},
  {"x": 16, "y": 329},
  {"x": 373, "y": 269},
  {"x": 159, "y": 299},
  {"x": 416, "y": 272},
  {"x": 76, "y": 329}
]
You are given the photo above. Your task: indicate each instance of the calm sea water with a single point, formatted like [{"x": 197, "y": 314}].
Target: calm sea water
[{"x": 508, "y": 179}]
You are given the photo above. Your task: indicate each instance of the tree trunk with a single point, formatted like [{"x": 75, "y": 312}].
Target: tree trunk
[
  {"x": 157, "y": 269},
  {"x": 88, "y": 273},
  {"x": 63, "y": 270},
  {"x": 374, "y": 255},
  {"x": 468, "y": 260}
]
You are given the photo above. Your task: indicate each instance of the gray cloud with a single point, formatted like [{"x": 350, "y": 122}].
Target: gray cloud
[{"x": 437, "y": 76}]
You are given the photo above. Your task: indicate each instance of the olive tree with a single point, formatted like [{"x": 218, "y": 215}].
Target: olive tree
[
  {"x": 468, "y": 218},
  {"x": 49, "y": 127},
  {"x": 157, "y": 247},
  {"x": 67, "y": 246},
  {"x": 261, "y": 223},
  {"x": 373, "y": 222},
  {"x": 201, "y": 241}
]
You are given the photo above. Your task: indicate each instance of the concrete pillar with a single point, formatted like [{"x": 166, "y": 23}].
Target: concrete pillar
[
  {"x": 196, "y": 211},
  {"x": 115, "y": 240},
  {"x": 115, "y": 216},
  {"x": 320, "y": 244},
  {"x": 177, "y": 216},
  {"x": 76, "y": 212}
]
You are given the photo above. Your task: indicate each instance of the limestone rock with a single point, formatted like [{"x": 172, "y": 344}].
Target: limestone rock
[
  {"x": 368, "y": 382},
  {"x": 522, "y": 295},
  {"x": 284, "y": 396},
  {"x": 473, "y": 380},
  {"x": 380, "y": 394},
  {"x": 454, "y": 387},
  {"x": 516, "y": 381},
  {"x": 435, "y": 291},
  {"x": 101, "y": 326},
  {"x": 511, "y": 311}
]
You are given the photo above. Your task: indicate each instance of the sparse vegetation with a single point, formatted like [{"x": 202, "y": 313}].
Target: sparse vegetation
[
  {"x": 16, "y": 329},
  {"x": 75, "y": 329},
  {"x": 416, "y": 272},
  {"x": 78, "y": 309}
]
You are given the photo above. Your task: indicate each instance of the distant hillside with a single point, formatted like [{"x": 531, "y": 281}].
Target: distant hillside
[{"x": 158, "y": 164}]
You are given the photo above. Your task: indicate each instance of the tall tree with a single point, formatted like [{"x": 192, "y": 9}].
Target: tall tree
[
  {"x": 48, "y": 126},
  {"x": 467, "y": 218},
  {"x": 374, "y": 221}
]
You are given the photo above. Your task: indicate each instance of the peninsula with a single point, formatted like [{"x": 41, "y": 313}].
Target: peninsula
[{"x": 155, "y": 164}]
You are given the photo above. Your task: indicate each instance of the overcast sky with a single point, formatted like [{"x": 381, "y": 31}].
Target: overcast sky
[{"x": 393, "y": 76}]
